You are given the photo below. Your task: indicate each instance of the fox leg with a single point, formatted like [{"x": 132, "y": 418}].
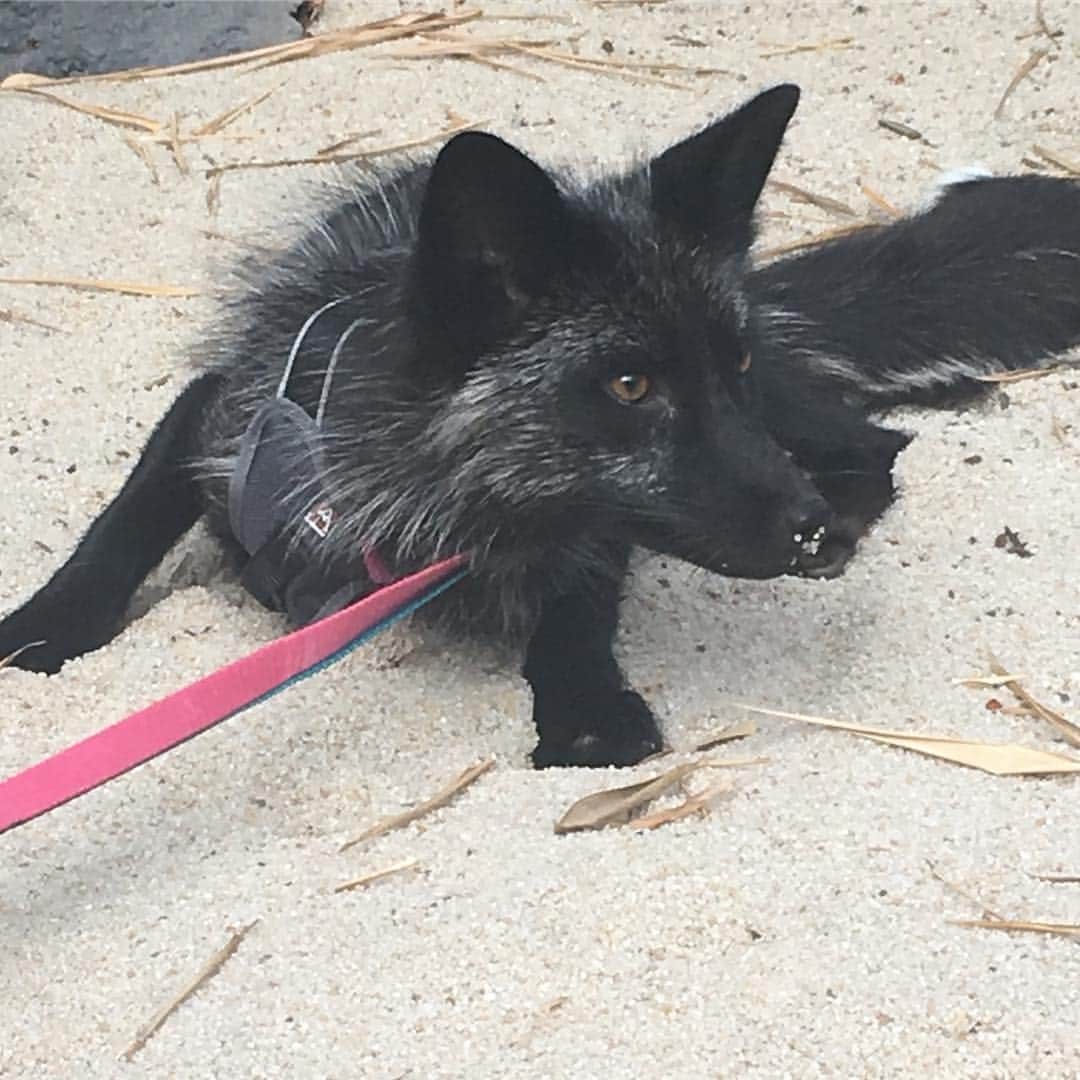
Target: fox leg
[
  {"x": 584, "y": 712},
  {"x": 83, "y": 604}
]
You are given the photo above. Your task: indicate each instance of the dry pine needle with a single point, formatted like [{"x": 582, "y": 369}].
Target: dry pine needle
[
  {"x": 468, "y": 777},
  {"x": 1000, "y": 759},
  {"x": 129, "y": 288},
  {"x": 204, "y": 975}
]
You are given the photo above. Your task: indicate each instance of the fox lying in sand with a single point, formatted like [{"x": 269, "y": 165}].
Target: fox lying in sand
[{"x": 473, "y": 354}]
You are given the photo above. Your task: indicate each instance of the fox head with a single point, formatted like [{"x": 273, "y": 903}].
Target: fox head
[{"x": 591, "y": 350}]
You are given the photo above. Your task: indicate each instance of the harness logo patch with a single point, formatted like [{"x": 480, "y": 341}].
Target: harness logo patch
[{"x": 319, "y": 519}]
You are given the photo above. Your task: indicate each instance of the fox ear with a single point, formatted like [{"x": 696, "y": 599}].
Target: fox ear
[
  {"x": 708, "y": 184},
  {"x": 491, "y": 236}
]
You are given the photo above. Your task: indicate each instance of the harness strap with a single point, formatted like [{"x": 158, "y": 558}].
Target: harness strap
[{"x": 278, "y": 508}]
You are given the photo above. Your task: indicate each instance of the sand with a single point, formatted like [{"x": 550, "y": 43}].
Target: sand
[{"x": 799, "y": 929}]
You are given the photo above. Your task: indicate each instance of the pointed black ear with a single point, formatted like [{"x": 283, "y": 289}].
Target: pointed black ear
[
  {"x": 492, "y": 236},
  {"x": 708, "y": 185}
]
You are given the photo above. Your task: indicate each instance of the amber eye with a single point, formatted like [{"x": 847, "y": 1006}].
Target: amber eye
[{"x": 629, "y": 389}]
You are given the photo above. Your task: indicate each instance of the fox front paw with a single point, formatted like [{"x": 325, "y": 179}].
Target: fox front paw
[
  {"x": 33, "y": 642},
  {"x": 617, "y": 728}
]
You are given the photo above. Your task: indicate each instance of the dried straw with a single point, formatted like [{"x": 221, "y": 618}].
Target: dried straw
[
  {"x": 822, "y": 202},
  {"x": 1022, "y": 72},
  {"x": 353, "y": 37},
  {"x": 205, "y": 974},
  {"x": 436, "y": 802},
  {"x": 376, "y": 875},
  {"x": 129, "y": 288}
]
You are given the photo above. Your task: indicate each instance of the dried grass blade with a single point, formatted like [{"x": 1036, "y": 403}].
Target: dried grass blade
[
  {"x": 637, "y": 65},
  {"x": 1041, "y": 27},
  {"x": 1040, "y": 21},
  {"x": 1059, "y": 929},
  {"x": 605, "y": 67},
  {"x": 266, "y": 249},
  {"x": 430, "y": 46},
  {"x": 741, "y": 730},
  {"x": 206, "y": 973},
  {"x": 996, "y": 758},
  {"x": 140, "y": 151},
  {"x": 348, "y": 140},
  {"x": 1059, "y": 160},
  {"x": 129, "y": 288},
  {"x": 175, "y": 148},
  {"x": 692, "y": 805},
  {"x": 213, "y": 195},
  {"x": 371, "y": 34},
  {"x": 1058, "y": 879},
  {"x": 818, "y": 46},
  {"x": 615, "y": 805},
  {"x": 479, "y": 51},
  {"x": 991, "y": 681},
  {"x": 9, "y": 316},
  {"x": 219, "y": 123},
  {"x": 816, "y": 240},
  {"x": 1022, "y": 72},
  {"x": 412, "y": 144},
  {"x": 1015, "y": 710},
  {"x": 353, "y": 37},
  {"x": 562, "y": 20},
  {"x": 334, "y": 159},
  {"x": 101, "y": 112},
  {"x": 277, "y": 163},
  {"x": 988, "y": 913},
  {"x": 11, "y": 657},
  {"x": 376, "y": 875},
  {"x": 1069, "y": 731},
  {"x": 1020, "y": 375},
  {"x": 822, "y": 202},
  {"x": 502, "y": 65},
  {"x": 25, "y": 80},
  {"x": 880, "y": 201},
  {"x": 483, "y": 50},
  {"x": 436, "y": 802}
]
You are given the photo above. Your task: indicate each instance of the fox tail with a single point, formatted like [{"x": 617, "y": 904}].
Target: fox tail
[{"x": 984, "y": 280}]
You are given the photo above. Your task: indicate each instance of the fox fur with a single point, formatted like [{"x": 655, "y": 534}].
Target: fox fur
[{"x": 544, "y": 372}]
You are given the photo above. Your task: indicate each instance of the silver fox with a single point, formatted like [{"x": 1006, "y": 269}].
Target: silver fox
[{"x": 473, "y": 354}]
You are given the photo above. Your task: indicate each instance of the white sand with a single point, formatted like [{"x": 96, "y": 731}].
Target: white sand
[{"x": 798, "y": 929}]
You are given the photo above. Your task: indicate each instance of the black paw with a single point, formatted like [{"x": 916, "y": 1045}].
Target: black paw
[
  {"x": 613, "y": 728},
  {"x": 25, "y": 644}
]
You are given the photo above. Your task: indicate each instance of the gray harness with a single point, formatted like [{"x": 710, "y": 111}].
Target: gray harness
[{"x": 278, "y": 508}]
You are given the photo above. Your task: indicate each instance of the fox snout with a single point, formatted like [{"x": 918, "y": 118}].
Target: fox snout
[
  {"x": 804, "y": 523},
  {"x": 756, "y": 531},
  {"x": 788, "y": 530},
  {"x": 768, "y": 517}
]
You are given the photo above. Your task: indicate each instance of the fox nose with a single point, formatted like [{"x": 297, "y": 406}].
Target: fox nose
[{"x": 806, "y": 523}]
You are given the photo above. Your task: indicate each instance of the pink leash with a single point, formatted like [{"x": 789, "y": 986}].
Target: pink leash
[{"x": 233, "y": 688}]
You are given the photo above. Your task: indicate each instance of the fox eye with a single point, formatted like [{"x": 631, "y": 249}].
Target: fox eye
[{"x": 629, "y": 389}]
